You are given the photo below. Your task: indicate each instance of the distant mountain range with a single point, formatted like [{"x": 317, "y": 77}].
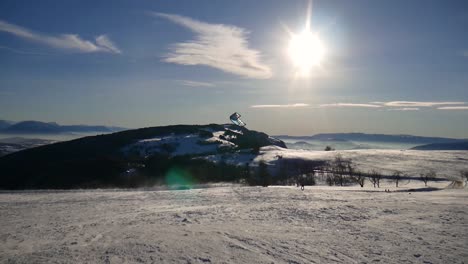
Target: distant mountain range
[
  {"x": 5, "y": 124},
  {"x": 444, "y": 146},
  {"x": 37, "y": 127},
  {"x": 362, "y": 137}
]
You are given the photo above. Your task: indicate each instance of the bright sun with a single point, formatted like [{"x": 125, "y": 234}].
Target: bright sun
[{"x": 306, "y": 51}]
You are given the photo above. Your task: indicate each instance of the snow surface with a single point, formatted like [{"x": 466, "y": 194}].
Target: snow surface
[
  {"x": 185, "y": 144},
  {"x": 236, "y": 225}
]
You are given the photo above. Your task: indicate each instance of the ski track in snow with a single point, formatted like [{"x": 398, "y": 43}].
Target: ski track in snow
[{"x": 236, "y": 225}]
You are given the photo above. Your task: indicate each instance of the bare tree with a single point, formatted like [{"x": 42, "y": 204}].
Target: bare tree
[
  {"x": 425, "y": 177},
  {"x": 397, "y": 177},
  {"x": 464, "y": 175},
  {"x": 339, "y": 167},
  {"x": 375, "y": 176},
  {"x": 358, "y": 177}
]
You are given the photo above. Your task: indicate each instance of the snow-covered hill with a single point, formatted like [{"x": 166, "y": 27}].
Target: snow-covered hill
[
  {"x": 204, "y": 141},
  {"x": 104, "y": 160}
]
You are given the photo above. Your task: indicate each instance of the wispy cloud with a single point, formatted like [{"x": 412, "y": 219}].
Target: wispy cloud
[
  {"x": 280, "y": 105},
  {"x": 404, "y": 109},
  {"x": 465, "y": 53},
  {"x": 419, "y": 104},
  {"x": 195, "y": 83},
  {"x": 453, "y": 108},
  {"x": 25, "y": 52},
  {"x": 104, "y": 42},
  {"x": 64, "y": 41},
  {"x": 219, "y": 46},
  {"x": 351, "y": 105}
]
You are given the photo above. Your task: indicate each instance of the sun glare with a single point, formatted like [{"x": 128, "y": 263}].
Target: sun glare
[{"x": 306, "y": 51}]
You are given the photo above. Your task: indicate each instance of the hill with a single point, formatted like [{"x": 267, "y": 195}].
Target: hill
[
  {"x": 444, "y": 146},
  {"x": 5, "y": 124},
  {"x": 131, "y": 158}
]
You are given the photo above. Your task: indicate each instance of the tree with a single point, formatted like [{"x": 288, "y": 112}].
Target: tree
[
  {"x": 338, "y": 167},
  {"x": 375, "y": 176},
  {"x": 328, "y": 148},
  {"x": 282, "y": 172},
  {"x": 425, "y": 177},
  {"x": 264, "y": 175},
  {"x": 397, "y": 177},
  {"x": 359, "y": 178},
  {"x": 245, "y": 172},
  {"x": 464, "y": 175}
]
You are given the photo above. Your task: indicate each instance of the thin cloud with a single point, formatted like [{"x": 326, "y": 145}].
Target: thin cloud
[
  {"x": 404, "y": 109},
  {"x": 195, "y": 83},
  {"x": 280, "y": 105},
  {"x": 64, "y": 41},
  {"x": 220, "y": 46},
  {"x": 351, "y": 105},
  {"x": 419, "y": 104},
  {"x": 105, "y": 42},
  {"x": 24, "y": 51},
  {"x": 453, "y": 108}
]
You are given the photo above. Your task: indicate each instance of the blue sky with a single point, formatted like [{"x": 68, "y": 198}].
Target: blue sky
[{"x": 389, "y": 66}]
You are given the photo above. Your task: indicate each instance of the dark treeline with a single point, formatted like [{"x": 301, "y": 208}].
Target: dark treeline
[{"x": 160, "y": 169}]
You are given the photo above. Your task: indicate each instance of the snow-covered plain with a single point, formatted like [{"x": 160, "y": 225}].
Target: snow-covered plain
[
  {"x": 446, "y": 164},
  {"x": 236, "y": 225}
]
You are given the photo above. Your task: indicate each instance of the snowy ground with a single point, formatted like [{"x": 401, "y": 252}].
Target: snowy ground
[
  {"x": 446, "y": 164},
  {"x": 236, "y": 225}
]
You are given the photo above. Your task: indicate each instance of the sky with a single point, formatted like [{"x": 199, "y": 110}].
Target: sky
[{"x": 393, "y": 67}]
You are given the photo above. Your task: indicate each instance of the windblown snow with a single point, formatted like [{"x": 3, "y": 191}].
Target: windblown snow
[{"x": 236, "y": 225}]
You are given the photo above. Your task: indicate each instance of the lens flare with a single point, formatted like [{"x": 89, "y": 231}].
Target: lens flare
[{"x": 177, "y": 178}]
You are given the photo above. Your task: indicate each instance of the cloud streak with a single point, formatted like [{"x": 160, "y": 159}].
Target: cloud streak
[
  {"x": 280, "y": 105},
  {"x": 404, "y": 109},
  {"x": 219, "y": 46},
  {"x": 64, "y": 41},
  {"x": 351, "y": 105},
  {"x": 196, "y": 84},
  {"x": 419, "y": 104},
  {"x": 453, "y": 108}
]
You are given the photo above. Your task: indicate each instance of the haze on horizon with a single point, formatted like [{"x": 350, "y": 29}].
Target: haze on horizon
[{"x": 289, "y": 67}]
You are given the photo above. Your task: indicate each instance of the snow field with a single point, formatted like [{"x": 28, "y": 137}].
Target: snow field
[{"x": 236, "y": 225}]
